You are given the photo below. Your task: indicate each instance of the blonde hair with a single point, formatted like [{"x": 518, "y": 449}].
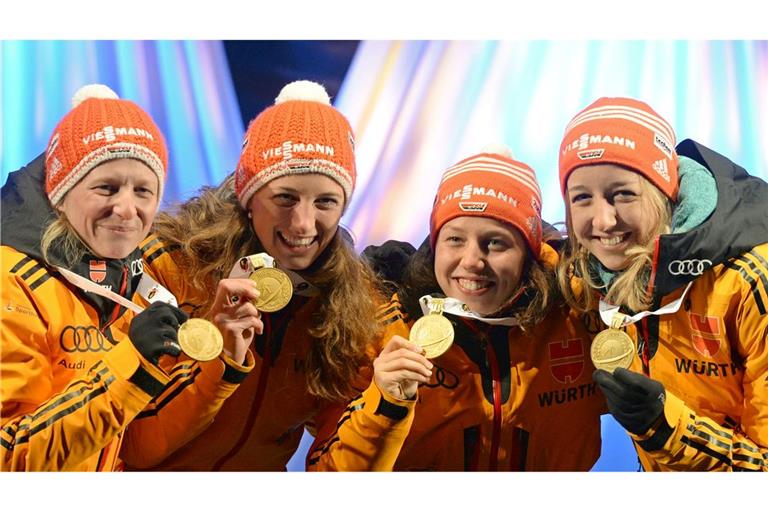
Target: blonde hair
[
  {"x": 60, "y": 236},
  {"x": 630, "y": 287},
  {"x": 212, "y": 232}
]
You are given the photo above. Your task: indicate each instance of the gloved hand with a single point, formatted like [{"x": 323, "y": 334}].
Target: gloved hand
[
  {"x": 154, "y": 331},
  {"x": 633, "y": 399}
]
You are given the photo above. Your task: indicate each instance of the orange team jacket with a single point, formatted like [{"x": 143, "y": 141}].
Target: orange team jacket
[
  {"x": 712, "y": 357},
  {"x": 74, "y": 389},
  {"x": 260, "y": 426},
  {"x": 498, "y": 399}
]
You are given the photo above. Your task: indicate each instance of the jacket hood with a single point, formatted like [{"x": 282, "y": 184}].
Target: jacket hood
[
  {"x": 25, "y": 210},
  {"x": 738, "y": 223}
]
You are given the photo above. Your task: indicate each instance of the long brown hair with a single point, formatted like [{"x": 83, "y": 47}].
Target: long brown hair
[
  {"x": 212, "y": 232},
  {"x": 630, "y": 288},
  {"x": 537, "y": 291}
]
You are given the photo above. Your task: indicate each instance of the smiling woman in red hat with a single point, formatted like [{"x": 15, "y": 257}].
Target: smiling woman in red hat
[
  {"x": 77, "y": 366},
  {"x": 673, "y": 243},
  {"x": 483, "y": 368},
  {"x": 280, "y": 213}
]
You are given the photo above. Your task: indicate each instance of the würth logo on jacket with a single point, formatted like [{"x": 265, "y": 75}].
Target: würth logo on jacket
[
  {"x": 566, "y": 360},
  {"x": 706, "y": 335},
  {"x": 706, "y": 339},
  {"x": 97, "y": 271}
]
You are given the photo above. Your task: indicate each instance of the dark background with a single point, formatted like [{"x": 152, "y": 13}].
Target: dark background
[{"x": 261, "y": 68}]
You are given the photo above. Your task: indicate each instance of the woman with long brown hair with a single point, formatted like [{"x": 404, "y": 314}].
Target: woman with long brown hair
[{"x": 281, "y": 208}]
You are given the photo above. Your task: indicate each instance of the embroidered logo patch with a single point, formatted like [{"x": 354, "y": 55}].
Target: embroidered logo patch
[{"x": 566, "y": 360}]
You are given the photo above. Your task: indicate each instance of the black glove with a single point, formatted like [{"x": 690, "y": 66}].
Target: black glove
[
  {"x": 154, "y": 331},
  {"x": 633, "y": 399}
]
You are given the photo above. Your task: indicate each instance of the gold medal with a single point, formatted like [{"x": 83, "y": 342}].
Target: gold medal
[
  {"x": 433, "y": 332},
  {"x": 200, "y": 339},
  {"x": 275, "y": 289},
  {"x": 612, "y": 348}
]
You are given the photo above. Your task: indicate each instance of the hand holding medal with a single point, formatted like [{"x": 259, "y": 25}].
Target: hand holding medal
[
  {"x": 613, "y": 348},
  {"x": 274, "y": 285},
  {"x": 198, "y": 338}
]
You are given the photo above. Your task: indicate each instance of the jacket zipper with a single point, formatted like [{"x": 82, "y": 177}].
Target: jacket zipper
[
  {"x": 642, "y": 329},
  {"x": 494, "y": 367}
]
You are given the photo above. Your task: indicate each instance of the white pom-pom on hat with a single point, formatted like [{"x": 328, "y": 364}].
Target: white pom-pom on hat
[
  {"x": 498, "y": 148},
  {"x": 93, "y": 91},
  {"x": 303, "y": 90}
]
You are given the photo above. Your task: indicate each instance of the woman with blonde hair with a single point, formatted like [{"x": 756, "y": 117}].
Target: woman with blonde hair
[
  {"x": 670, "y": 245},
  {"x": 78, "y": 367},
  {"x": 281, "y": 209}
]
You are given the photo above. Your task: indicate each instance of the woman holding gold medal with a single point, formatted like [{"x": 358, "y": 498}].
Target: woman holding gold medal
[
  {"x": 483, "y": 368},
  {"x": 77, "y": 366},
  {"x": 276, "y": 221},
  {"x": 670, "y": 245}
]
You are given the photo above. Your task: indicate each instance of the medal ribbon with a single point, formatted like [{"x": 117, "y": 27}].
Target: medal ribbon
[
  {"x": 453, "y": 306},
  {"x": 246, "y": 265},
  {"x": 146, "y": 286},
  {"x": 609, "y": 313}
]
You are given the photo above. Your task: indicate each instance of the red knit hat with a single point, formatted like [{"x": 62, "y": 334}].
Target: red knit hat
[
  {"x": 490, "y": 184},
  {"x": 624, "y": 132},
  {"x": 300, "y": 134},
  {"x": 101, "y": 127}
]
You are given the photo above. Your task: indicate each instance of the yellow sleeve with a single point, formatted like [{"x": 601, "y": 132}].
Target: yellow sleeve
[
  {"x": 698, "y": 443},
  {"x": 161, "y": 263},
  {"x": 185, "y": 408},
  {"x": 368, "y": 433},
  {"x": 196, "y": 391}
]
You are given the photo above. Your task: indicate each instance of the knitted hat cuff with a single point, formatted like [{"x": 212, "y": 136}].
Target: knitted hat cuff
[
  {"x": 105, "y": 154},
  {"x": 296, "y": 167}
]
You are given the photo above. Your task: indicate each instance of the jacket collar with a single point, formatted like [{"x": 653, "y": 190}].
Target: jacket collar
[{"x": 737, "y": 224}]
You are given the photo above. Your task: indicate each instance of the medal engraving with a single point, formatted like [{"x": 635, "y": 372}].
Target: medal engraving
[
  {"x": 433, "y": 333},
  {"x": 200, "y": 339},
  {"x": 275, "y": 289},
  {"x": 612, "y": 349}
]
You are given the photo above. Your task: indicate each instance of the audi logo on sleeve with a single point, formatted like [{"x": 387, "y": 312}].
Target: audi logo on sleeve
[
  {"x": 82, "y": 338},
  {"x": 688, "y": 267}
]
